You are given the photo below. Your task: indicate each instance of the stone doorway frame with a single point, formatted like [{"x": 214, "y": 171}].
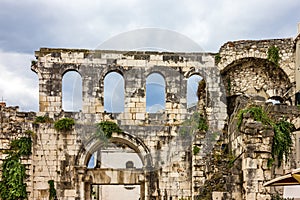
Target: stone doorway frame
[{"x": 88, "y": 177}]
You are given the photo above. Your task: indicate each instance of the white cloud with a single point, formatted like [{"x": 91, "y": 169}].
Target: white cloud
[{"x": 18, "y": 84}]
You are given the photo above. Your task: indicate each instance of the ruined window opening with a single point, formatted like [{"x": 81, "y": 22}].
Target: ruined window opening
[
  {"x": 115, "y": 157},
  {"x": 114, "y": 93},
  {"x": 72, "y": 91},
  {"x": 155, "y": 93},
  {"x": 192, "y": 87}
]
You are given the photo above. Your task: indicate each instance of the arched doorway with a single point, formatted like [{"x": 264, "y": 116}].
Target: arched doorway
[{"x": 119, "y": 167}]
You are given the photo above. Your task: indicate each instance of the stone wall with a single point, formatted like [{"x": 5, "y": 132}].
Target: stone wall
[
  {"x": 13, "y": 125},
  {"x": 169, "y": 174},
  {"x": 236, "y": 50},
  {"x": 238, "y": 165},
  {"x": 257, "y": 77},
  {"x": 171, "y": 169}
]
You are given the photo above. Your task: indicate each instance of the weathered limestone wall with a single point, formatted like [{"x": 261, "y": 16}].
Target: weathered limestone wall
[
  {"x": 251, "y": 145},
  {"x": 93, "y": 66},
  {"x": 236, "y": 50},
  {"x": 257, "y": 77},
  {"x": 170, "y": 170},
  {"x": 54, "y": 156},
  {"x": 171, "y": 156},
  {"x": 13, "y": 125}
]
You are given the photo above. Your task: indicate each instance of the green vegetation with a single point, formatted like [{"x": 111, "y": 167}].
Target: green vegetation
[
  {"x": 33, "y": 62},
  {"x": 106, "y": 128},
  {"x": 196, "y": 122},
  {"x": 217, "y": 58},
  {"x": 21, "y": 147},
  {"x": 43, "y": 119},
  {"x": 12, "y": 184},
  {"x": 282, "y": 140},
  {"x": 196, "y": 150},
  {"x": 273, "y": 55},
  {"x": 257, "y": 113},
  {"x": 278, "y": 197},
  {"x": 202, "y": 125},
  {"x": 52, "y": 190},
  {"x": 64, "y": 124}
]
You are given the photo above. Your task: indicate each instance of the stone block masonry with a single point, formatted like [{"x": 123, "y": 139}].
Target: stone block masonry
[{"x": 172, "y": 165}]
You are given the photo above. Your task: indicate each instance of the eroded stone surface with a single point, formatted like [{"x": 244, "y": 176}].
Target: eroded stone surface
[{"x": 170, "y": 167}]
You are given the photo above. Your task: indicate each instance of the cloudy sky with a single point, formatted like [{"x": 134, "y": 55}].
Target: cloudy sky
[{"x": 30, "y": 24}]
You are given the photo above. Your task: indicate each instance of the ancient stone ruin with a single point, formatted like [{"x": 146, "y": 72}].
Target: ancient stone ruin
[{"x": 161, "y": 155}]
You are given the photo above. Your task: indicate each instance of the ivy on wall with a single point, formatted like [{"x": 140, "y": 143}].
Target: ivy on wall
[
  {"x": 282, "y": 140},
  {"x": 217, "y": 58},
  {"x": 273, "y": 55},
  {"x": 43, "y": 119},
  {"x": 106, "y": 128},
  {"x": 196, "y": 122},
  {"x": 52, "y": 190},
  {"x": 64, "y": 124},
  {"x": 12, "y": 184}
]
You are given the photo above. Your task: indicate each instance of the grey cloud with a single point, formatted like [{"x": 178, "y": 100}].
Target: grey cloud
[{"x": 30, "y": 24}]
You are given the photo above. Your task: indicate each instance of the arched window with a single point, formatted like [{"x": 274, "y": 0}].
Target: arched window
[
  {"x": 72, "y": 91},
  {"x": 114, "y": 93},
  {"x": 192, "y": 87},
  {"x": 155, "y": 93}
]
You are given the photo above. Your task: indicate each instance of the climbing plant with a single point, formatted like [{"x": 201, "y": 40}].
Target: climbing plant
[
  {"x": 12, "y": 184},
  {"x": 43, "y": 119},
  {"x": 256, "y": 112},
  {"x": 196, "y": 122},
  {"x": 273, "y": 55},
  {"x": 196, "y": 150},
  {"x": 217, "y": 58},
  {"x": 282, "y": 140},
  {"x": 64, "y": 124},
  {"x": 52, "y": 190},
  {"x": 106, "y": 128}
]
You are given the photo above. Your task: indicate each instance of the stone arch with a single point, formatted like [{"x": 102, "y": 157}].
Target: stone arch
[
  {"x": 132, "y": 141},
  {"x": 226, "y": 62},
  {"x": 111, "y": 68},
  {"x": 255, "y": 76},
  {"x": 67, "y": 68},
  {"x": 112, "y": 176}
]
